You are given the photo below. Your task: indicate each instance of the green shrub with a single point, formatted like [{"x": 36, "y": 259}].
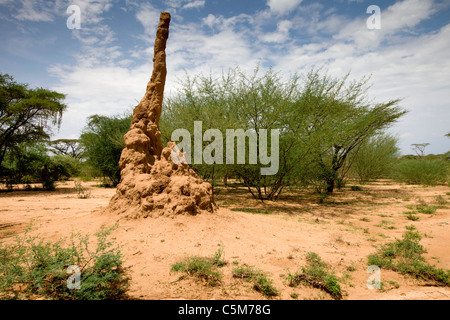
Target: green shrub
[
  {"x": 203, "y": 268},
  {"x": 425, "y": 208},
  {"x": 316, "y": 274},
  {"x": 34, "y": 269},
  {"x": 422, "y": 172},
  {"x": 405, "y": 256},
  {"x": 259, "y": 280}
]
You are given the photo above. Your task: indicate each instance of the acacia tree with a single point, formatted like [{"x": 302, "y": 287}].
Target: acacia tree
[
  {"x": 67, "y": 147},
  {"x": 342, "y": 117},
  {"x": 26, "y": 115},
  {"x": 251, "y": 103},
  {"x": 419, "y": 148}
]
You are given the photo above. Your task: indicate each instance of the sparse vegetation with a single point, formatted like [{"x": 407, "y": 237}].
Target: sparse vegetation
[
  {"x": 82, "y": 193},
  {"x": 33, "y": 269},
  {"x": 405, "y": 256},
  {"x": 425, "y": 208},
  {"x": 253, "y": 210},
  {"x": 316, "y": 274},
  {"x": 422, "y": 171},
  {"x": 205, "y": 268},
  {"x": 259, "y": 279}
]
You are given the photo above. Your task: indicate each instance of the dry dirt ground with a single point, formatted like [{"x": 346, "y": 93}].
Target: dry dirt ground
[{"x": 273, "y": 237}]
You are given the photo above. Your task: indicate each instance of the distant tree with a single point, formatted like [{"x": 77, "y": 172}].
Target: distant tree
[
  {"x": 25, "y": 113},
  {"x": 419, "y": 148},
  {"x": 67, "y": 147},
  {"x": 103, "y": 142}
]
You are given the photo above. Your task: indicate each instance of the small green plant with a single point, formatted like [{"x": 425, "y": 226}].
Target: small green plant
[
  {"x": 258, "y": 278},
  {"x": 385, "y": 224},
  {"x": 203, "y": 268},
  {"x": 81, "y": 191},
  {"x": 440, "y": 200},
  {"x": 356, "y": 188},
  {"x": 31, "y": 268},
  {"x": 412, "y": 217},
  {"x": 316, "y": 274},
  {"x": 405, "y": 256},
  {"x": 425, "y": 208}
]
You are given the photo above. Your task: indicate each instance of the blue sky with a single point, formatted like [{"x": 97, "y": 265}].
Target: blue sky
[{"x": 104, "y": 67}]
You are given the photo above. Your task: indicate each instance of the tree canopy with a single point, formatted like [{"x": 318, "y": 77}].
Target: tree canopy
[
  {"x": 321, "y": 120},
  {"x": 26, "y": 114}
]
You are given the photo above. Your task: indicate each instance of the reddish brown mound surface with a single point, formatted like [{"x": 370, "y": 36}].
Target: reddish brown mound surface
[{"x": 152, "y": 184}]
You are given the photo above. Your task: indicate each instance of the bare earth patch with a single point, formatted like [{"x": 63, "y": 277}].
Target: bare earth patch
[{"x": 273, "y": 237}]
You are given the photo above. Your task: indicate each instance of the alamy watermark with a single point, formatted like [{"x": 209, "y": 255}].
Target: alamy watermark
[
  {"x": 74, "y": 281},
  {"x": 374, "y": 281},
  {"x": 374, "y": 21},
  {"x": 213, "y": 153},
  {"x": 74, "y": 20}
]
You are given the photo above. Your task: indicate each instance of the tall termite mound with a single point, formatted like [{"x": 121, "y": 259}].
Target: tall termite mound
[{"x": 152, "y": 184}]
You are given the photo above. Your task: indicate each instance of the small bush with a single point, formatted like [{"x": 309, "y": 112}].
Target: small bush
[
  {"x": 425, "y": 208},
  {"x": 355, "y": 188},
  {"x": 412, "y": 217},
  {"x": 36, "y": 269},
  {"x": 260, "y": 281},
  {"x": 82, "y": 193},
  {"x": 203, "y": 268},
  {"x": 405, "y": 256},
  {"x": 316, "y": 274},
  {"x": 422, "y": 172}
]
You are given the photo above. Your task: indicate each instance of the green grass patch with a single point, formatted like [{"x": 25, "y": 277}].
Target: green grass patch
[
  {"x": 259, "y": 279},
  {"x": 317, "y": 275},
  {"x": 385, "y": 224},
  {"x": 412, "y": 217},
  {"x": 253, "y": 210},
  {"x": 405, "y": 256},
  {"x": 205, "y": 268}
]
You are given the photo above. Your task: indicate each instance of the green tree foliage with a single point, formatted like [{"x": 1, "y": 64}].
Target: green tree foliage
[
  {"x": 30, "y": 162},
  {"x": 251, "y": 103},
  {"x": 342, "y": 117},
  {"x": 31, "y": 268},
  {"x": 26, "y": 114},
  {"x": 321, "y": 120},
  {"x": 374, "y": 158},
  {"x": 103, "y": 143},
  {"x": 67, "y": 147},
  {"x": 422, "y": 171}
]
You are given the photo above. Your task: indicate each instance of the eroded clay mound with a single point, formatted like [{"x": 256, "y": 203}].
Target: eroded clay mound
[
  {"x": 152, "y": 185},
  {"x": 168, "y": 189}
]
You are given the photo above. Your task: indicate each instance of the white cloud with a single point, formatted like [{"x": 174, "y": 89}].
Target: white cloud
[
  {"x": 148, "y": 16},
  {"x": 32, "y": 10},
  {"x": 403, "y": 64},
  {"x": 283, "y": 6},
  {"x": 194, "y": 4},
  {"x": 279, "y": 36},
  {"x": 397, "y": 19}
]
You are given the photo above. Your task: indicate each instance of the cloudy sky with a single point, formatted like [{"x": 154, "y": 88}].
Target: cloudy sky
[{"x": 104, "y": 66}]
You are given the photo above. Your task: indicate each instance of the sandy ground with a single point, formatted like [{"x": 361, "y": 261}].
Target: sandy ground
[{"x": 343, "y": 231}]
